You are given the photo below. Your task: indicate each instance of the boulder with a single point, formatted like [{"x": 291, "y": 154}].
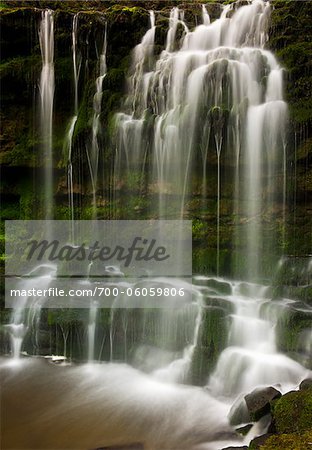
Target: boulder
[
  {"x": 216, "y": 286},
  {"x": 292, "y": 413},
  {"x": 218, "y": 302},
  {"x": 305, "y": 384},
  {"x": 258, "y": 401}
]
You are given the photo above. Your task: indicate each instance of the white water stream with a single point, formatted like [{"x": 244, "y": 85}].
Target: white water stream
[{"x": 46, "y": 90}]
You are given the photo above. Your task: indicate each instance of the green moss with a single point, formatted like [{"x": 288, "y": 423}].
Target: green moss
[
  {"x": 84, "y": 118},
  {"x": 288, "y": 330},
  {"x": 116, "y": 10},
  {"x": 5, "y": 315},
  {"x": 66, "y": 317},
  {"x": 292, "y": 413},
  {"x": 204, "y": 260},
  {"x": 289, "y": 442},
  {"x": 114, "y": 79},
  {"x": 214, "y": 328},
  {"x": 126, "y": 9},
  {"x": 19, "y": 66},
  {"x": 20, "y": 156},
  {"x": 10, "y": 211},
  {"x": 201, "y": 366},
  {"x": 294, "y": 51},
  {"x": 62, "y": 212},
  {"x": 198, "y": 230}
]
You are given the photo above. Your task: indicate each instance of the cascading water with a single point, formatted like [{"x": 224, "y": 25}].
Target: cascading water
[
  {"x": 212, "y": 97},
  {"x": 218, "y": 91},
  {"x": 46, "y": 89},
  {"x": 93, "y": 159},
  {"x": 163, "y": 340},
  {"x": 26, "y": 313},
  {"x": 93, "y": 155},
  {"x": 251, "y": 358},
  {"x": 71, "y": 128},
  {"x": 205, "y": 16},
  {"x": 131, "y": 130},
  {"x": 76, "y": 59}
]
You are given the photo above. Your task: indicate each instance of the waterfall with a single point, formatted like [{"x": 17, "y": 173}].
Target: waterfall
[
  {"x": 203, "y": 122},
  {"x": 93, "y": 160},
  {"x": 131, "y": 146},
  {"x": 205, "y": 16},
  {"x": 68, "y": 142},
  {"x": 46, "y": 89},
  {"x": 76, "y": 63},
  {"x": 93, "y": 312},
  {"x": 173, "y": 23},
  {"x": 251, "y": 358},
  {"x": 91, "y": 332},
  {"x": 216, "y": 90},
  {"x": 68, "y": 145},
  {"x": 213, "y": 98},
  {"x": 25, "y": 315},
  {"x": 178, "y": 370},
  {"x": 164, "y": 339},
  {"x": 93, "y": 155}
]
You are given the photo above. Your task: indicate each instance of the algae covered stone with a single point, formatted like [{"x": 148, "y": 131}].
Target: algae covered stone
[{"x": 293, "y": 412}]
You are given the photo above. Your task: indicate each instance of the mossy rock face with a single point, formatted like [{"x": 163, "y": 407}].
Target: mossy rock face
[
  {"x": 294, "y": 280},
  {"x": 306, "y": 384},
  {"x": 201, "y": 366},
  {"x": 212, "y": 340},
  {"x": 294, "y": 271},
  {"x": 294, "y": 51},
  {"x": 221, "y": 287},
  {"x": 293, "y": 441},
  {"x": 290, "y": 327},
  {"x": 292, "y": 413},
  {"x": 219, "y": 302}
]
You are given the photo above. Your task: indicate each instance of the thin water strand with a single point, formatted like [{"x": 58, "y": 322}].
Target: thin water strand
[{"x": 46, "y": 90}]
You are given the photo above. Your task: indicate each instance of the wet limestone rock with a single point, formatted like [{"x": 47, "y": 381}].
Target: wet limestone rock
[
  {"x": 258, "y": 401},
  {"x": 305, "y": 384}
]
